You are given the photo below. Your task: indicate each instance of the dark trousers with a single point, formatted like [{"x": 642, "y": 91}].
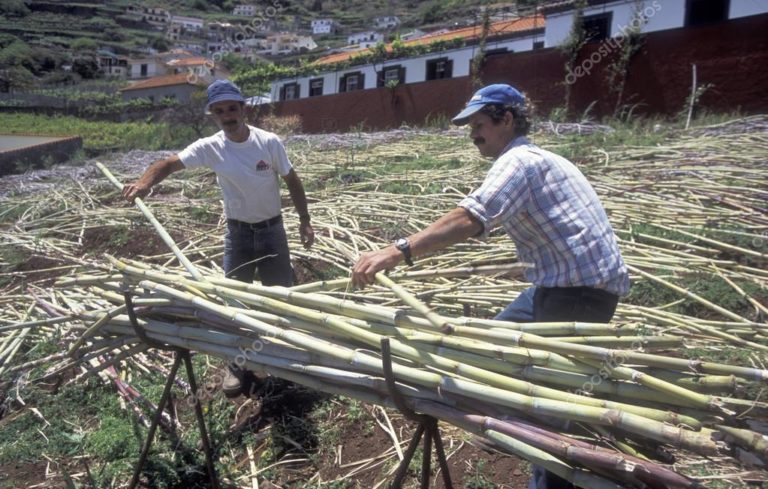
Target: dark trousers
[
  {"x": 559, "y": 304},
  {"x": 251, "y": 248},
  {"x": 583, "y": 304}
]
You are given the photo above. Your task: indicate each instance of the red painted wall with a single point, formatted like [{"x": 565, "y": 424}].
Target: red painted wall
[{"x": 732, "y": 56}]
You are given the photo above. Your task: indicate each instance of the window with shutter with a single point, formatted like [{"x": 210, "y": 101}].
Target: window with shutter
[
  {"x": 290, "y": 91},
  {"x": 698, "y": 12},
  {"x": 440, "y": 68},
  {"x": 597, "y": 27},
  {"x": 352, "y": 81},
  {"x": 315, "y": 87}
]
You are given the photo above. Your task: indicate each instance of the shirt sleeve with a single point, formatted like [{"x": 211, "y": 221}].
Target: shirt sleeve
[
  {"x": 503, "y": 193},
  {"x": 280, "y": 161},
  {"x": 194, "y": 155}
]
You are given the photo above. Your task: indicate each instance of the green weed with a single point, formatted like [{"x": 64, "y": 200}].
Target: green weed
[{"x": 477, "y": 479}]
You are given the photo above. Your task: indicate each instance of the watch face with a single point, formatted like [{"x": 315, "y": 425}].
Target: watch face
[{"x": 401, "y": 243}]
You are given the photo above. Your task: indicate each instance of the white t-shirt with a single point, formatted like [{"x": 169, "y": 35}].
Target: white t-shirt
[{"x": 247, "y": 172}]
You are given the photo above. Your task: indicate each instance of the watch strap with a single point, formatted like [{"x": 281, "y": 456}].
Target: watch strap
[{"x": 404, "y": 245}]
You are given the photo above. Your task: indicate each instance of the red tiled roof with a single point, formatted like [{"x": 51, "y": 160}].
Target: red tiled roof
[
  {"x": 160, "y": 81},
  {"x": 497, "y": 29},
  {"x": 566, "y": 5}
]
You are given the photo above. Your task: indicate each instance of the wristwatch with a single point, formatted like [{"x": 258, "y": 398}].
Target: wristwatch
[{"x": 404, "y": 246}]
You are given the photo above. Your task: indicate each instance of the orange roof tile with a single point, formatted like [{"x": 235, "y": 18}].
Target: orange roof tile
[
  {"x": 497, "y": 29},
  {"x": 160, "y": 81}
]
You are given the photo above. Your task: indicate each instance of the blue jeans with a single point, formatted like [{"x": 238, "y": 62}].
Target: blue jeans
[
  {"x": 258, "y": 248},
  {"x": 558, "y": 304}
]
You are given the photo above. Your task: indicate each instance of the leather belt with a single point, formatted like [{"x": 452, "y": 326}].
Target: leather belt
[{"x": 256, "y": 225}]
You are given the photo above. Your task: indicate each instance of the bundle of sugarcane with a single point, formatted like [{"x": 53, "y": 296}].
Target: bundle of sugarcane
[{"x": 505, "y": 381}]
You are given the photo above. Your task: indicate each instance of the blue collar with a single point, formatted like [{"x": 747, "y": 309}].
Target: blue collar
[{"x": 518, "y": 141}]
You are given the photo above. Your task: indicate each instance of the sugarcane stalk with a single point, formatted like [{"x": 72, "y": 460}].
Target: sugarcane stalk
[
  {"x": 691, "y": 295},
  {"x": 167, "y": 239}
]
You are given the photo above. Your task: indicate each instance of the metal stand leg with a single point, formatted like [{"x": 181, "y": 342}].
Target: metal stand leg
[
  {"x": 181, "y": 354},
  {"x": 427, "y": 428},
  {"x": 155, "y": 422},
  {"x": 200, "y": 420}
]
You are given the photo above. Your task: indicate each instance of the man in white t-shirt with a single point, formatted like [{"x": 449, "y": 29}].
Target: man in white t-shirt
[{"x": 248, "y": 163}]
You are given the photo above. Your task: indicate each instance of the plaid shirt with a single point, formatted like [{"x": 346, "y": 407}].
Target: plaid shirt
[{"x": 553, "y": 215}]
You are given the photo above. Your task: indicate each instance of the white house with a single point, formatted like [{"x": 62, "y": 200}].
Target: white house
[
  {"x": 138, "y": 68},
  {"x": 325, "y": 26},
  {"x": 414, "y": 34},
  {"x": 365, "y": 39},
  {"x": 111, "y": 64},
  {"x": 196, "y": 65},
  {"x": 506, "y": 36},
  {"x": 158, "y": 17},
  {"x": 245, "y": 10},
  {"x": 386, "y": 22},
  {"x": 175, "y": 87},
  {"x": 285, "y": 43},
  {"x": 603, "y": 19},
  {"x": 192, "y": 24}
]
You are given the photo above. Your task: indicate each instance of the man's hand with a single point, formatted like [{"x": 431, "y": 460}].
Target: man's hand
[
  {"x": 155, "y": 174},
  {"x": 133, "y": 190},
  {"x": 307, "y": 234},
  {"x": 364, "y": 271}
]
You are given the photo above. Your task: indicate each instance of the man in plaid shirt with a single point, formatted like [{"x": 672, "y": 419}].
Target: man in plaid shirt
[{"x": 548, "y": 208}]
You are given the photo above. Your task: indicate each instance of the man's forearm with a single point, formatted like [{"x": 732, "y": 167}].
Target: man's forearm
[
  {"x": 159, "y": 170},
  {"x": 298, "y": 196},
  {"x": 155, "y": 174},
  {"x": 454, "y": 227}
]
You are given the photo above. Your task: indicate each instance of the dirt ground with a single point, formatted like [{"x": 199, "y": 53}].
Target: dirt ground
[{"x": 358, "y": 450}]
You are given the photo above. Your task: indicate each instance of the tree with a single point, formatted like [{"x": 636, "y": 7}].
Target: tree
[
  {"x": 84, "y": 44},
  {"x": 160, "y": 43},
  {"x": 191, "y": 114},
  {"x": 7, "y": 39},
  {"x": 86, "y": 66},
  {"x": 15, "y": 77},
  {"x": 234, "y": 63},
  {"x": 13, "y": 8},
  {"x": 18, "y": 53}
]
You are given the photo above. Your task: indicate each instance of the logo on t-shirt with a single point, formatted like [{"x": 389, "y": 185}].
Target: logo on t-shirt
[{"x": 262, "y": 166}]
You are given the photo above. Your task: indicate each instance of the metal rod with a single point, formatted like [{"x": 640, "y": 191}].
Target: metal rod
[
  {"x": 200, "y": 420},
  {"x": 397, "y": 481},
  {"x": 427, "y": 426},
  {"x": 155, "y": 422},
  {"x": 441, "y": 459},
  {"x": 426, "y": 454}
]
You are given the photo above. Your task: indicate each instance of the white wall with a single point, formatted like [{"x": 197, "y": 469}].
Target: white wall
[
  {"x": 153, "y": 69},
  {"x": 661, "y": 15},
  {"x": 415, "y": 68},
  {"x": 745, "y": 8}
]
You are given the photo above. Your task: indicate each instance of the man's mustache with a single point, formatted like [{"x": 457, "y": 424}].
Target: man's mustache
[{"x": 478, "y": 141}]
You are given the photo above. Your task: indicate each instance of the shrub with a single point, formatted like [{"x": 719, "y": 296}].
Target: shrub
[{"x": 283, "y": 126}]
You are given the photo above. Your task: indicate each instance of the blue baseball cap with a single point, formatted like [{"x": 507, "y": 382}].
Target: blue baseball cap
[
  {"x": 222, "y": 90},
  {"x": 499, "y": 93}
]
